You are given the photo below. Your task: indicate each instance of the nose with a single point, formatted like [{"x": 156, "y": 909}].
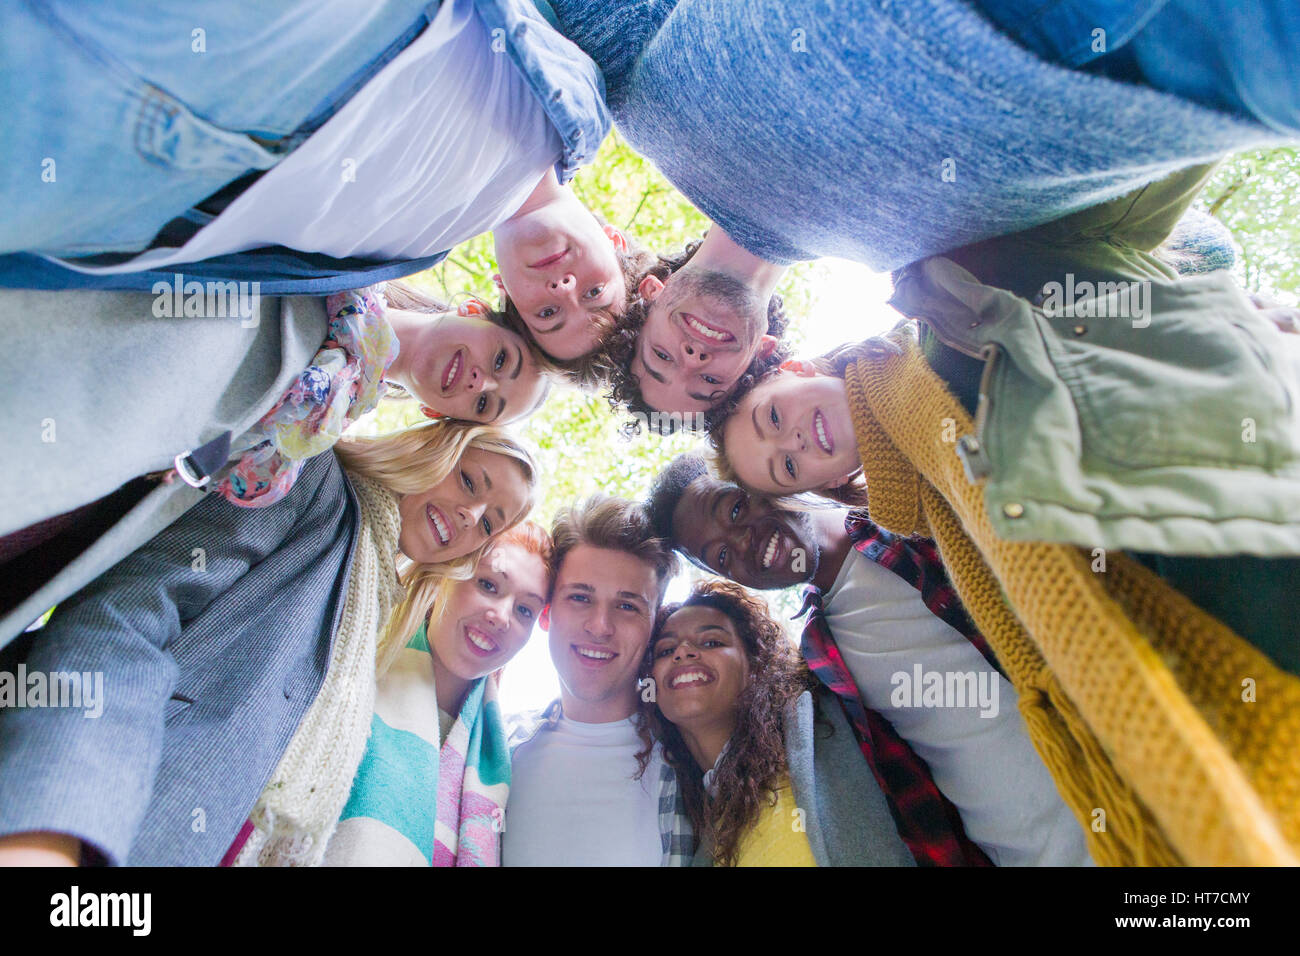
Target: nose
[
  {"x": 792, "y": 440},
  {"x": 685, "y": 651},
  {"x": 479, "y": 382},
  {"x": 597, "y": 623},
  {"x": 566, "y": 281},
  {"x": 494, "y": 617},
  {"x": 692, "y": 354},
  {"x": 470, "y": 514}
]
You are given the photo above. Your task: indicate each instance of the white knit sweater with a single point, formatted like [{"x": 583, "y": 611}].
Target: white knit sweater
[{"x": 300, "y": 806}]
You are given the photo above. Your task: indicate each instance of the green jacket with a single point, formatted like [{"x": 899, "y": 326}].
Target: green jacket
[{"x": 1161, "y": 414}]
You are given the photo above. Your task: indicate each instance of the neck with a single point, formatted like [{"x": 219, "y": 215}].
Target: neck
[
  {"x": 448, "y": 688},
  {"x": 834, "y": 543},
  {"x": 706, "y": 741},
  {"x": 719, "y": 253},
  {"x": 547, "y": 191},
  {"x": 410, "y": 329},
  {"x": 614, "y": 708}
]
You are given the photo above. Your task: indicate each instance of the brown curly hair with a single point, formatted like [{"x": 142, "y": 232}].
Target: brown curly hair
[
  {"x": 754, "y": 762},
  {"x": 620, "y": 348}
]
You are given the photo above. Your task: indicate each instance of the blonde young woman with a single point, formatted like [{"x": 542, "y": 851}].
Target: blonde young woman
[
  {"x": 432, "y": 787},
  {"x": 238, "y": 651}
]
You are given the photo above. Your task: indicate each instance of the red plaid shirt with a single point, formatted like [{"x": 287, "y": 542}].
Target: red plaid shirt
[{"x": 927, "y": 821}]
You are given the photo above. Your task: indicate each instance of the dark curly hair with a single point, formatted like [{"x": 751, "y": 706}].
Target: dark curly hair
[
  {"x": 667, "y": 490},
  {"x": 754, "y": 762},
  {"x": 620, "y": 348}
]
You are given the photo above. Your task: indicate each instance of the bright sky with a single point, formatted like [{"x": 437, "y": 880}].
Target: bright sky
[{"x": 850, "y": 304}]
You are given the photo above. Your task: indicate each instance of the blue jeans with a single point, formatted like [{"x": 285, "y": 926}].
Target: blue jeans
[
  {"x": 1242, "y": 56},
  {"x": 115, "y": 120}
]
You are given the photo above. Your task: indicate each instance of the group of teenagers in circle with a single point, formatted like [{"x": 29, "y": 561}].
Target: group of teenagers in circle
[{"x": 301, "y": 630}]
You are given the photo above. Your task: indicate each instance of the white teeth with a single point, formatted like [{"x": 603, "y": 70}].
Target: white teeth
[
  {"x": 706, "y": 331},
  {"x": 820, "y": 424},
  {"x": 595, "y": 655},
  {"x": 451, "y": 372},
  {"x": 444, "y": 533},
  {"x": 770, "y": 554},
  {"x": 690, "y": 677},
  {"x": 479, "y": 640}
]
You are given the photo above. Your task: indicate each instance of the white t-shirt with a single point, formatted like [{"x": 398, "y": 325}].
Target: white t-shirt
[
  {"x": 444, "y": 143},
  {"x": 985, "y": 765},
  {"x": 573, "y": 801}
]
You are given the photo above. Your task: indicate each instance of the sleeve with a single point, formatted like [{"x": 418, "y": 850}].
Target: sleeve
[
  {"x": 86, "y": 767},
  {"x": 1143, "y": 219}
]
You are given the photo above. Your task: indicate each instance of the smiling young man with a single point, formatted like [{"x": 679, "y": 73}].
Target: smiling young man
[
  {"x": 882, "y": 606},
  {"x": 699, "y": 324},
  {"x": 576, "y": 798},
  {"x": 563, "y": 274}
]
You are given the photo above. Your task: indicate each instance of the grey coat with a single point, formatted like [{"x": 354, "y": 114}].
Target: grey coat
[
  {"x": 98, "y": 392},
  {"x": 205, "y": 669}
]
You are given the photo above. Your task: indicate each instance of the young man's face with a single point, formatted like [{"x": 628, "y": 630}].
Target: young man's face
[
  {"x": 742, "y": 537},
  {"x": 602, "y": 612},
  {"x": 702, "y": 331},
  {"x": 560, "y": 268}
]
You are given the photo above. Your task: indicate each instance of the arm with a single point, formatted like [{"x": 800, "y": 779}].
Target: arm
[
  {"x": 87, "y": 773},
  {"x": 1143, "y": 219}
]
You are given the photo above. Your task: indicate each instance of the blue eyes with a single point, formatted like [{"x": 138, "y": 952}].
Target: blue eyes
[
  {"x": 776, "y": 419},
  {"x": 500, "y": 361},
  {"x": 525, "y": 613},
  {"x": 789, "y": 466}
]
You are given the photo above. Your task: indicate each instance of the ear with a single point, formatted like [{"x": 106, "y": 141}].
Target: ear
[
  {"x": 501, "y": 289},
  {"x": 799, "y": 367},
  {"x": 473, "y": 306},
  {"x": 430, "y": 413},
  {"x": 766, "y": 346},
  {"x": 841, "y": 482},
  {"x": 616, "y": 237},
  {"x": 544, "y": 619},
  {"x": 650, "y": 288}
]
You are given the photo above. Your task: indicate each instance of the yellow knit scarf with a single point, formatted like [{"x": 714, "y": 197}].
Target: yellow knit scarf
[
  {"x": 300, "y": 806},
  {"x": 1136, "y": 700}
]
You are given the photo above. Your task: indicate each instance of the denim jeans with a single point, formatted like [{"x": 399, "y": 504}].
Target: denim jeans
[{"x": 1237, "y": 55}]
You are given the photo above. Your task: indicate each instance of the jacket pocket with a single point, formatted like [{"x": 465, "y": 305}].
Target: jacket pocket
[{"x": 1200, "y": 384}]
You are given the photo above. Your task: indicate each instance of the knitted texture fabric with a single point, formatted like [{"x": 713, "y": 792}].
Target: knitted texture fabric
[
  {"x": 301, "y": 804},
  {"x": 1170, "y": 737}
]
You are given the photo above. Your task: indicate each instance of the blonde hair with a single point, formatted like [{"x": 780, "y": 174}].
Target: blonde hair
[{"x": 409, "y": 462}]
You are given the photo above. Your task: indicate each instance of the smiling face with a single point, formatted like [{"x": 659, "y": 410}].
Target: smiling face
[
  {"x": 742, "y": 537},
  {"x": 792, "y": 432},
  {"x": 483, "y": 495},
  {"x": 602, "y": 612},
  {"x": 700, "y": 667},
  {"x": 488, "y": 618},
  {"x": 471, "y": 369},
  {"x": 702, "y": 331},
  {"x": 561, "y": 270}
]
